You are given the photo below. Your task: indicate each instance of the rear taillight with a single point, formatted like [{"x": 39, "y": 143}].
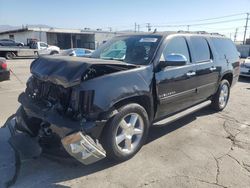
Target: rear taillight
[{"x": 4, "y": 65}]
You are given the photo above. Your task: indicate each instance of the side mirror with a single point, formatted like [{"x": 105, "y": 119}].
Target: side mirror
[{"x": 174, "y": 60}]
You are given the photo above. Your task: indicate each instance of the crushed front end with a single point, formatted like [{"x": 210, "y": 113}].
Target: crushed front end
[
  {"x": 52, "y": 112},
  {"x": 64, "y": 105},
  {"x": 59, "y": 112}
]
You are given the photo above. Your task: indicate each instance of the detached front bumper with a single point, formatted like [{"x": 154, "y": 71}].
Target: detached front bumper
[{"x": 75, "y": 140}]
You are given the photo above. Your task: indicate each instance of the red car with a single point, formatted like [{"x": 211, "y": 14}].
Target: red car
[{"x": 4, "y": 71}]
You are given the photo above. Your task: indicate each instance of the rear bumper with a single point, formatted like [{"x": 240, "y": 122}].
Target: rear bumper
[
  {"x": 4, "y": 75},
  {"x": 73, "y": 134}
]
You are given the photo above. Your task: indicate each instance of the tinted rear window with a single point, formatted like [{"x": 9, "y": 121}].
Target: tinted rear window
[
  {"x": 201, "y": 49},
  {"x": 225, "y": 47}
]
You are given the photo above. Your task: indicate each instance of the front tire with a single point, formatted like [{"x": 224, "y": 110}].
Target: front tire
[
  {"x": 220, "y": 99},
  {"x": 126, "y": 132}
]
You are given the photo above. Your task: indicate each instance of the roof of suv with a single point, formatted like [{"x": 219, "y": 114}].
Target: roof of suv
[{"x": 167, "y": 33}]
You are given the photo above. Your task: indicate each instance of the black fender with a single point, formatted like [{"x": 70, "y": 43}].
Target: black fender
[{"x": 112, "y": 89}]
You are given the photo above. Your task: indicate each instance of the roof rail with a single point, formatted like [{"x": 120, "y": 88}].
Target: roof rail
[{"x": 199, "y": 32}]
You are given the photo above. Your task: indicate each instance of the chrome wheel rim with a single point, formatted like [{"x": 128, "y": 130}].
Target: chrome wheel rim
[
  {"x": 129, "y": 133},
  {"x": 223, "y": 96}
]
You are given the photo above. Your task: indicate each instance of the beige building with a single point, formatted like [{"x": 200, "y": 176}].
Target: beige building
[{"x": 63, "y": 38}]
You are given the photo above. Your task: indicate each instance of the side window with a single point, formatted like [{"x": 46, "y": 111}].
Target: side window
[
  {"x": 225, "y": 47},
  {"x": 43, "y": 44},
  {"x": 201, "y": 49},
  {"x": 177, "y": 45}
]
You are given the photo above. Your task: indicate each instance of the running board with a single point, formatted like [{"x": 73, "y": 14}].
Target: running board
[{"x": 181, "y": 114}]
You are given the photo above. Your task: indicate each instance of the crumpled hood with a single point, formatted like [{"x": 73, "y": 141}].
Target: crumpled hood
[{"x": 68, "y": 71}]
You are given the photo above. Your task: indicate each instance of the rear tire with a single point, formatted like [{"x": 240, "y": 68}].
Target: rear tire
[
  {"x": 54, "y": 53},
  {"x": 126, "y": 132},
  {"x": 9, "y": 55},
  {"x": 221, "y": 97}
]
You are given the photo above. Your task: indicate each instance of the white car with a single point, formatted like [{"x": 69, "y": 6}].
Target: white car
[
  {"x": 245, "y": 67},
  {"x": 45, "y": 49}
]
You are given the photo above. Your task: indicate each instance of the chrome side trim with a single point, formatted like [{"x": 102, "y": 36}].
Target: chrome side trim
[{"x": 178, "y": 94}]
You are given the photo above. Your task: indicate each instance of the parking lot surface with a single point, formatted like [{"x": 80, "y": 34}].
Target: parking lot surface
[{"x": 205, "y": 149}]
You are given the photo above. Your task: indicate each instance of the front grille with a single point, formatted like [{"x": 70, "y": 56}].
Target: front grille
[{"x": 47, "y": 91}]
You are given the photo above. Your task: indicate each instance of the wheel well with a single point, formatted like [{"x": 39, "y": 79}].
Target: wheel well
[
  {"x": 228, "y": 77},
  {"x": 142, "y": 100},
  {"x": 54, "y": 52}
]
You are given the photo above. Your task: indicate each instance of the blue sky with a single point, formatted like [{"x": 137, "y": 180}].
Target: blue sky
[{"x": 121, "y": 15}]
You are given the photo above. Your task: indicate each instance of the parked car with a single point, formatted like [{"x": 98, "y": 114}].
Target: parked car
[
  {"x": 37, "y": 48},
  {"x": 97, "y": 108},
  {"x": 9, "y": 42},
  {"x": 44, "y": 48},
  {"x": 4, "y": 72},
  {"x": 245, "y": 68},
  {"x": 77, "y": 52}
]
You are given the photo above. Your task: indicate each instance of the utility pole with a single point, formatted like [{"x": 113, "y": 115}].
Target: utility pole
[
  {"x": 149, "y": 27},
  {"x": 135, "y": 27},
  {"x": 235, "y": 34},
  {"x": 110, "y": 29},
  {"x": 138, "y": 28},
  {"x": 245, "y": 32},
  {"x": 188, "y": 27}
]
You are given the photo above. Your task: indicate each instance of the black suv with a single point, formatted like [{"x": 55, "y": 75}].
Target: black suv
[{"x": 103, "y": 106}]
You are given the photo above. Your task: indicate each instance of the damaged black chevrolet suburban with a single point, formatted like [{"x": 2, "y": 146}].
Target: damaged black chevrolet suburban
[{"x": 103, "y": 105}]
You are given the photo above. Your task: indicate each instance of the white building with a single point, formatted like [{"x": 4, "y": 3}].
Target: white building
[{"x": 64, "y": 38}]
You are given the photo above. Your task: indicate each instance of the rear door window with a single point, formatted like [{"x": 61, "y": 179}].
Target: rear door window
[
  {"x": 225, "y": 48},
  {"x": 201, "y": 49}
]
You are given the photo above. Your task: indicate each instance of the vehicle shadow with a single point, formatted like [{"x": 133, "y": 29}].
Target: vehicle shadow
[
  {"x": 72, "y": 169},
  {"x": 157, "y": 132}
]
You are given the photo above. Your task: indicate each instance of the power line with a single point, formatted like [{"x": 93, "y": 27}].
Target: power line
[
  {"x": 215, "y": 18},
  {"x": 200, "y": 24},
  {"x": 200, "y": 20}
]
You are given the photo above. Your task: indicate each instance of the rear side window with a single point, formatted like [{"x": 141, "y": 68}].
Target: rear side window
[
  {"x": 225, "y": 47},
  {"x": 201, "y": 49},
  {"x": 177, "y": 45}
]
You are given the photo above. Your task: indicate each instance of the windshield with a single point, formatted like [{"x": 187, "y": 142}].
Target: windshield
[{"x": 137, "y": 50}]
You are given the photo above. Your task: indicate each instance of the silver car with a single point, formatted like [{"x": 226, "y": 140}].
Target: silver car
[{"x": 245, "y": 68}]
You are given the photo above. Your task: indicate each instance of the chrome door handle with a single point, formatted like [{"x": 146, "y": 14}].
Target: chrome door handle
[
  {"x": 191, "y": 73},
  {"x": 212, "y": 68}
]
